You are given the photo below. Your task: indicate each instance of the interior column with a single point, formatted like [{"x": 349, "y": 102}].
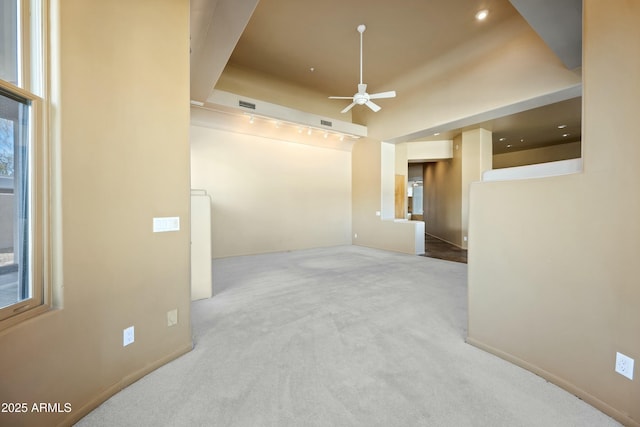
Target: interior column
[{"x": 477, "y": 154}]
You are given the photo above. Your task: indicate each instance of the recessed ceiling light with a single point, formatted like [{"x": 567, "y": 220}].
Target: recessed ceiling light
[
  {"x": 565, "y": 135},
  {"x": 508, "y": 145},
  {"x": 562, "y": 126},
  {"x": 503, "y": 139},
  {"x": 482, "y": 15},
  {"x": 436, "y": 134},
  {"x": 522, "y": 140}
]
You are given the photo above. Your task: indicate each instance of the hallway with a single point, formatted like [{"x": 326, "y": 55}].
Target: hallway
[{"x": 437, "y": 248}]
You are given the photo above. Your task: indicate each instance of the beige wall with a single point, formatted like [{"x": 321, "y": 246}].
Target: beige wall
[
  {"x": 271, "y": 195},
  {"x": 553, "y": 283},
  {"x": 447, "y": 184},
  {"x": 571, "y": 150},
  {"x": 428, "y": 150},
  {"x": 370, "y": 229},
  {"x": 123, "y": 151},
  {"x": 443, "y": 196}
]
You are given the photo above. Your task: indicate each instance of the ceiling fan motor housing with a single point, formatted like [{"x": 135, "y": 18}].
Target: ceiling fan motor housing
[{"x": 361, "y": 98}]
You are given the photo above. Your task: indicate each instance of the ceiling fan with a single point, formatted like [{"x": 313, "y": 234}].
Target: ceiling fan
[{"x": 362, "y": 97}]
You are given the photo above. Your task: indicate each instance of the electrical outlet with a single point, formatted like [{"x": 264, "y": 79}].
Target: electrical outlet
[
  {"x": 128, "y": 336},
  {"x": 624, "y": 365},
  {"x": 172, "y": 317}
]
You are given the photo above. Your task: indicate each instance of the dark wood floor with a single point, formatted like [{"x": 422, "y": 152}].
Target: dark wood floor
[{"x": 436, "y": 248}]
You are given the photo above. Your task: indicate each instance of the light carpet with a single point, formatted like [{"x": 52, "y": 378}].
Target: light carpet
[{"x": 342, "y": 336}]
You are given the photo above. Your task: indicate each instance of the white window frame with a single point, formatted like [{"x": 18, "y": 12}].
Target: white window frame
[{"x": 32, "y": 87}]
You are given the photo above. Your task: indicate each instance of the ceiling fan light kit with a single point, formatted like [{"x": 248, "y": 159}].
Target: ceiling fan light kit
[{"x": 362, "y": 97}]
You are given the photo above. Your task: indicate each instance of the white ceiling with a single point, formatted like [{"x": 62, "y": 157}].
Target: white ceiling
[{"x": 286, "y": 38}]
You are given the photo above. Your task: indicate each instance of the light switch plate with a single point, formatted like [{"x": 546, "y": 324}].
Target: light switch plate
[
  {"x": 172, "y": 317},
  {"x": 164, "y": 224}
]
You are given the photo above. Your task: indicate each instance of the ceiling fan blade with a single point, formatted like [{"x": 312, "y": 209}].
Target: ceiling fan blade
[
  {"x": 362, "y": 88},
  {"x": 375, "y": 107},
  {"x": 341, "y": 97},
  {"x": 390, "y": 94},
  {"x": 348, "y": 107}
]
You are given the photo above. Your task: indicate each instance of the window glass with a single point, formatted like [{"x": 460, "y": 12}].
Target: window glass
[
  {"x": 9, "y": 30},
  {"x": 22, "y": 163},
  {"x": 16, "y": 283}
]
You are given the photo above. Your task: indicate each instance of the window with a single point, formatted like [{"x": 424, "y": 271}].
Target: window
[
  {"x": 9, "y": 42},
  {"x": 21, "y": 160}
]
